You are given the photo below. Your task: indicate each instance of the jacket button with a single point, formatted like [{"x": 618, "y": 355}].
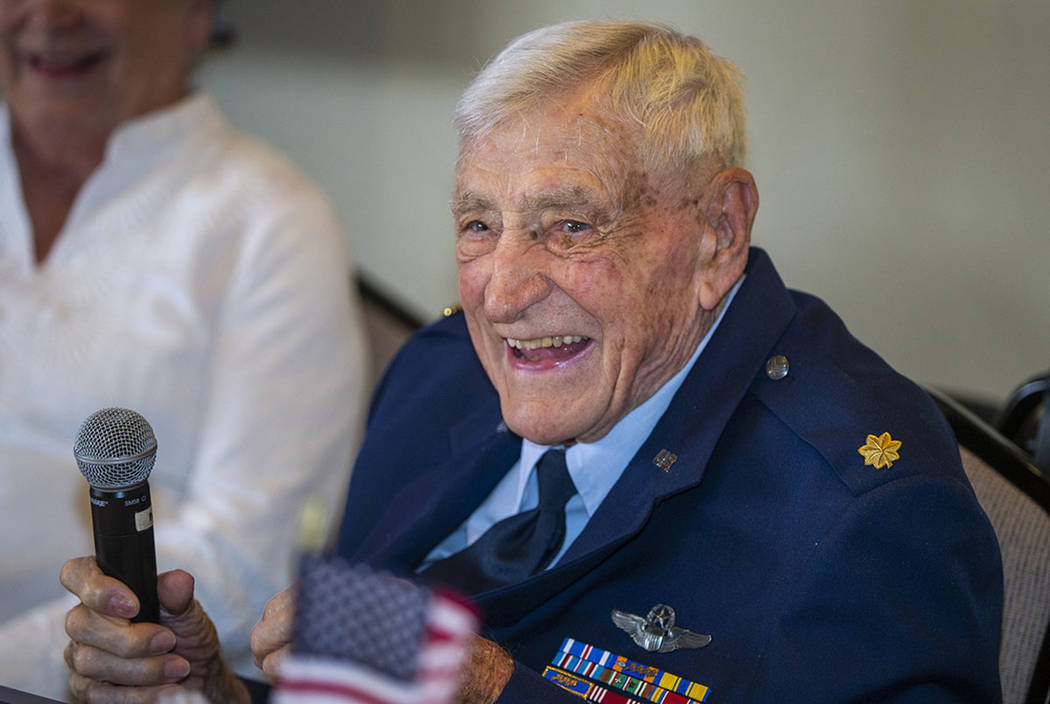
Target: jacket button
[{"x": 777, "y": 367}]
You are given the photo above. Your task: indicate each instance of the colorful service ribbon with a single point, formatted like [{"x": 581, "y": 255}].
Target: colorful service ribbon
[
  {"x": 588, "y": 690},
  {"x": 659, "y": 679}
]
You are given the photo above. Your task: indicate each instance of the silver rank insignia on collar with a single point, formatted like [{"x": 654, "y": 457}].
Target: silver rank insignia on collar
[
  {"x": 657, "y": 632},
  {"x": 664, "y": 459}
]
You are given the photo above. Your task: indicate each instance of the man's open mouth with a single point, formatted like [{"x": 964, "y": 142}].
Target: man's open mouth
[{"x": 556, "y": 347}]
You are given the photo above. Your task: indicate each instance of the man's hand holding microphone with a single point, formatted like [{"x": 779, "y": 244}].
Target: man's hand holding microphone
[{"x": 134, "y": 635}]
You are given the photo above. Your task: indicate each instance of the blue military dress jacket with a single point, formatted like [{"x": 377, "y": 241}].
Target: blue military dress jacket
[{"x": 759, "y": 509}]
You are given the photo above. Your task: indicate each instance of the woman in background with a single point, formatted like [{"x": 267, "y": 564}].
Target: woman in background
[{"x": 152, "y": 258}]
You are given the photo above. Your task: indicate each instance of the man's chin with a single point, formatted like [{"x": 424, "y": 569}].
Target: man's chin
[
  {"x": 545, "y": 428},
  {"x": 543, "y": 432}
]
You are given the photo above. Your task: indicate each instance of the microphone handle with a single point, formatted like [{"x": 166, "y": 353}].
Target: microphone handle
[{"x": 122, "y": 520}]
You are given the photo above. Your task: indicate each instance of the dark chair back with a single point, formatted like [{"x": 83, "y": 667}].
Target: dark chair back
[
  {"x": 1015, "y": 495},
  {"x": 387, "y": 324}
]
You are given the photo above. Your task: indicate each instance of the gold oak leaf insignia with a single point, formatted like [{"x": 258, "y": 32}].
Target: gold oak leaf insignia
[{"x": 880, "y": 451}]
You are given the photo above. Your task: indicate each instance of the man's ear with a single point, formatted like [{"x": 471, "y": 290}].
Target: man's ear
[{"x": 727, "y": 235}]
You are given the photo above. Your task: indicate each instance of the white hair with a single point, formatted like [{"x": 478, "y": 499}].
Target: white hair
[{"x": 688, "y": 101}]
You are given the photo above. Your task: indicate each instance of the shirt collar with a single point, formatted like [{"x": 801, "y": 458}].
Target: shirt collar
[
  {"x": 151, "y": 132},
  {"x": 596, "y": 466}
]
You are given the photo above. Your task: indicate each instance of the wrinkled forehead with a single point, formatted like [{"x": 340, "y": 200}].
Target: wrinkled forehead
[
  {"x": 572, "y": 141},
  {"x": 558, "y": 124}
]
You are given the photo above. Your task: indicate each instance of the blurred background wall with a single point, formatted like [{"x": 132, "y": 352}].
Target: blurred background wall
[{"x": 901, "y": 147}]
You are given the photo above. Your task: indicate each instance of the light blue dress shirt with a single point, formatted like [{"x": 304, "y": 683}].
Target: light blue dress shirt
[{"x": 594, "y": 467}]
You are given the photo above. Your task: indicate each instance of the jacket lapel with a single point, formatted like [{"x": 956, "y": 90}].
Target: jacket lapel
[{"x": 429, "y": 508}]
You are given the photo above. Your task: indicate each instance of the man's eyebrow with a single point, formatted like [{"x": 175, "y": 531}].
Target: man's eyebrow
[
  {"x": 585, "y": 201},
  {"x": 589, "y": 203},
  {"x": 470, "y": 202},
  {"x": 573, "y": 197}
]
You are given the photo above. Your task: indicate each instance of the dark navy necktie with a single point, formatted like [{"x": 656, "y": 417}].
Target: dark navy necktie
[{"x": 518, "y": 546}]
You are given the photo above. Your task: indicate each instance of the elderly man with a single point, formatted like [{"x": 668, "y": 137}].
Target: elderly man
[
  {"x": 151, "y": 257},
  {"x": 635, "y": 449}
]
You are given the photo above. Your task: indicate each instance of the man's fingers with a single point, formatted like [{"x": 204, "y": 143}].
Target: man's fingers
[
  {"x": 117, "y": 636},
  {"x": 281, "y": 604},
  {"x": 108, "y": 596},
  {"x": 97, "y": 664},
  {"x": 274, "y": 629},
  {"x": 271, "y": 664},
  {"x": 271, "y": 638},
  {"x": 266, "y": 640},
  {"x": 114, "y": 660},
  {"x": 85, "y": 689}
]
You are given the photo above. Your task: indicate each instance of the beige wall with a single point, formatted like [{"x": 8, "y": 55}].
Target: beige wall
[{"x": 901, "y": 148}]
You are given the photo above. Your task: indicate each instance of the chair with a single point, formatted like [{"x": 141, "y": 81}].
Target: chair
[
  {"x": 1025, "y": 419},
  {"x": 1016, "y": 497},
  {"x": 387, "y": 324}
]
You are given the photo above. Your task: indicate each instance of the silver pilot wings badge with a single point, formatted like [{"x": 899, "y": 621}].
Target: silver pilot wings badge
[{"x": 656, "y": 632}]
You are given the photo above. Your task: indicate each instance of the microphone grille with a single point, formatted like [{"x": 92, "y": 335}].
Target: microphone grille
[{"x": 115, "y": 448}]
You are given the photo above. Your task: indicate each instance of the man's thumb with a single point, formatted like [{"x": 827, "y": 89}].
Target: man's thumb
[{"x": 175, "y": 591}]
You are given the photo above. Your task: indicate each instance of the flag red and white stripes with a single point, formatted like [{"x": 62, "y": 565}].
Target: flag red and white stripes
[{"x": 368, "y": 638}]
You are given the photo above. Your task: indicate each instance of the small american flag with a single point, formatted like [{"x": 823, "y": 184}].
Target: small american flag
[{"x": 364, "y": 637}]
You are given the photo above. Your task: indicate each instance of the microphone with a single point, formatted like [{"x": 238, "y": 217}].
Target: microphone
[{"x": 115, "y": 449}]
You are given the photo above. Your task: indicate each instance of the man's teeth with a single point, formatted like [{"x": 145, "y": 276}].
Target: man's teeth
[{"x": 556, "y": 341}]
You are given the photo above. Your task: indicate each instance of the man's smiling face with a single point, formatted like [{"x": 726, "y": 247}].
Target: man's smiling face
[{"x": 579, "y": 273}]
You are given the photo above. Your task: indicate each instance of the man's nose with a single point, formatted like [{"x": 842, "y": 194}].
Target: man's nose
[{"x": 519, "y": 277}]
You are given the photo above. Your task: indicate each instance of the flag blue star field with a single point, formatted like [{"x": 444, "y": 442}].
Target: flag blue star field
[{"x": 364, "y": 637}]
